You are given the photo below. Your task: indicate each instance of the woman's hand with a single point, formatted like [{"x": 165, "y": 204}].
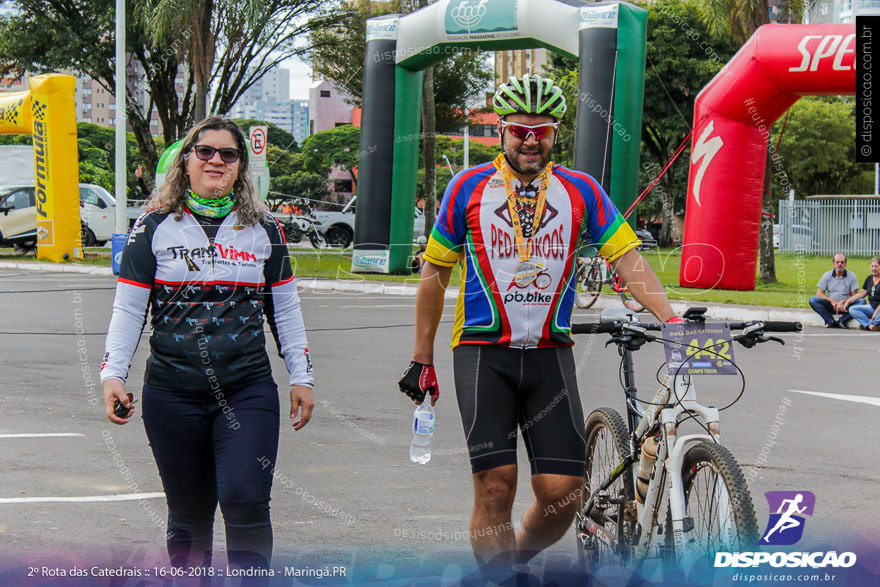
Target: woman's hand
[
  {"x": 301, "y": 399},
  {"x": 114, "y": 389}
]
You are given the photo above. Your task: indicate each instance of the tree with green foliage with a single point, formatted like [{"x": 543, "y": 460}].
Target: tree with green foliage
[
  {"x": 817, "y": 151},
  {"x": 244, "y": 41},
  {"x": 339, "y": 56},
  {"x": 335, "y": 147},
  {"x": 738, "y": 20},
  {"x": 675, "y": 73}
]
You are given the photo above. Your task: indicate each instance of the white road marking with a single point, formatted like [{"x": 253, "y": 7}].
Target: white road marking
[
  {"x": 46, "y": 435},
  {"x": 87, "y": 498},
  {"x": 862, "y": 399}
]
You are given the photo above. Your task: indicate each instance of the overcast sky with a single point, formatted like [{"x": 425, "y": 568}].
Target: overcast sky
[{"x": 300, "y": 78}]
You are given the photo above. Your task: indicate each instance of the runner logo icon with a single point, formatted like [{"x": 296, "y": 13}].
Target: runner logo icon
[{"x": 786, "y": 525}]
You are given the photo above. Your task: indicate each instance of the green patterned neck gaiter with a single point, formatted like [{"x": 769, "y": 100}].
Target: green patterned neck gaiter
[{"x": 210, "y": 207}]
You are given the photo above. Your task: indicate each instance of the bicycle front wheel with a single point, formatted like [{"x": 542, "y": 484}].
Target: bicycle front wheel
[
  {"x": 717, "y": 500},
  {"x": 588, "y": 286},
  {"x": 601, "y": 530}
]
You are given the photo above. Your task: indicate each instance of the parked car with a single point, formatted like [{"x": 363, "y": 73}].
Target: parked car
[
  {"x": 97, "y": 207},
  {"x": 338, "y": 227},
  {"x": 18, "y": 216},
  {"x": 648, "y": 240}
]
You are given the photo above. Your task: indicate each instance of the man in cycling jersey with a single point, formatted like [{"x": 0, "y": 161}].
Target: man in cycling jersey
[{"x": 515, "y": 225}]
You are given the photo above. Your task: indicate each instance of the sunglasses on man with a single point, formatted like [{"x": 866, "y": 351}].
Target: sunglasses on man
[
  {"x": 206, "y": 153},
  {"x": 523, "y": 131}
]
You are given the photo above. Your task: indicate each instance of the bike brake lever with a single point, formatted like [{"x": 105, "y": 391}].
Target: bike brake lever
[{"x": 775, "y": 339}]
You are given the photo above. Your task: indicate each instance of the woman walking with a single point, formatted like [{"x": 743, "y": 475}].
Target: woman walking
[{"x": 209, "y": 262}]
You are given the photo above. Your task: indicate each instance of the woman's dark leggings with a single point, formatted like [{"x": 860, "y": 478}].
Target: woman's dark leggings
[{"x": 216, "y": 447}]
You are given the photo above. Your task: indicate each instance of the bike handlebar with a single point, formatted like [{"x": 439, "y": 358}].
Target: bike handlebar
[{"x": 611, "y": 327}]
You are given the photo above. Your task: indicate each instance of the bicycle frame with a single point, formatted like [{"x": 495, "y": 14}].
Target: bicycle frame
[{"x": 665, "y": 485}]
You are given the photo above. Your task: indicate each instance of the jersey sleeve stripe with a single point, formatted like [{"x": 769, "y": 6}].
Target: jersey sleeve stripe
[
  {"x": 617, "y": 239},
  {"x": 136, "y": 283},
  {"x": 440, "y": 251},
  {"x": 283, "y": 281}
]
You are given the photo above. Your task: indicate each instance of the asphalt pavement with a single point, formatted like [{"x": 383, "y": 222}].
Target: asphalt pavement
[{"x": 77, "y": 490}]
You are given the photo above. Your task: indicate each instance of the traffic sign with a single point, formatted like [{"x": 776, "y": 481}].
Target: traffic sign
[{"x": 258, "y": 145}]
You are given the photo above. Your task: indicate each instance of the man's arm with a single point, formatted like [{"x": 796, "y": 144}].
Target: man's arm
[
  {"x": 856, "y": 295},
  {"x": 429, "y": 309},
  {"x": 643, "y": 284},
  {"x": 820, "y": 293}
]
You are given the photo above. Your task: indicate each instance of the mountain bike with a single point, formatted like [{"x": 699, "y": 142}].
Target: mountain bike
[
  {"x": 592, "y": 275},
  {"x": 650, "y": 491}
]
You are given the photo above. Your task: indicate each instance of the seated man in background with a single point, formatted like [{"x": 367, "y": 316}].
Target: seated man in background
[{"x": 835, "y": 289}]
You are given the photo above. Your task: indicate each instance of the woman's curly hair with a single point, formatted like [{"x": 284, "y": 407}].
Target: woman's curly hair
[{"x": 172, "y": 195}]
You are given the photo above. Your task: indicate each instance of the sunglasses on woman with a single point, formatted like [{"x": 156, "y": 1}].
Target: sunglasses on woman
[
  {"x": 522, "y": 131},
  {"x": 206, "y": 153}
]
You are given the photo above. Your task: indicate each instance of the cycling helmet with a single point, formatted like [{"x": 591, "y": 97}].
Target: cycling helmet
[{"x": 530, "y": 94}]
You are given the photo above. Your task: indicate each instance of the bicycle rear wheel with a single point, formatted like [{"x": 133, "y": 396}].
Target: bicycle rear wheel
[
  {"x": 600, "y": 531},
  {"x": 717, "y": 500},
  {"x": 629, "y": 301},
  {"x": 588, "y": 286}
]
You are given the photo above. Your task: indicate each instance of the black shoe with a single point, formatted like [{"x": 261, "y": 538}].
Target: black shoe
[
  {"x": 862, "y": 327},
  {"x": 832, "y": 325}
]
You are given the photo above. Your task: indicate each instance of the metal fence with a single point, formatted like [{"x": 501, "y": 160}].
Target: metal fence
[{"x": 825, "y": 227}]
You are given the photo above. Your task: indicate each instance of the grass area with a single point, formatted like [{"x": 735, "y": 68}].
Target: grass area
[
  {"x": 796, "y": 274},
  {"x": 796, "y": 279}
]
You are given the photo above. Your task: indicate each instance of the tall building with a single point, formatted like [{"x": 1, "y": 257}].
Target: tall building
[
  {"x": 268, "y": 99},
  {"x": 518, "y": 62},
  {"x": 96, "y": 105},
  {"x": 299, "y": 110}
]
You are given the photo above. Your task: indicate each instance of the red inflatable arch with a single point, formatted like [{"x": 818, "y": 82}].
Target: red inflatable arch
[{"x": 732, "y": 119}]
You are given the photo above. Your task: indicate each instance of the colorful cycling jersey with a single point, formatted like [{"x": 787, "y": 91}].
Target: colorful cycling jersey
[
  {"x": 207, "y": 298},
  {"x": 474, "y": 227}
]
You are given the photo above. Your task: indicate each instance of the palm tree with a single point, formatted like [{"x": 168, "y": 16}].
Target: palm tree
[{"x": 185, "y": 25}]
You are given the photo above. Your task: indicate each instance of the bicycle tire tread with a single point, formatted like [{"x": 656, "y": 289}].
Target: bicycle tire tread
[{"x": 731, "y": 473}]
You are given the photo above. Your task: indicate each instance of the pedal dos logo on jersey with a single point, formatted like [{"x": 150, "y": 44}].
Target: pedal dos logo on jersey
[{"x": 786, "y": 526}]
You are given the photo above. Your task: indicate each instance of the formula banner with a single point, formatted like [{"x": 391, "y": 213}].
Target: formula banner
[{"x": 56, "y": 167}]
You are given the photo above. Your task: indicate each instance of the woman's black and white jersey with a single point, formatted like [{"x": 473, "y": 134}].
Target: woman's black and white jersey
[{"x": 207, "y": 298}]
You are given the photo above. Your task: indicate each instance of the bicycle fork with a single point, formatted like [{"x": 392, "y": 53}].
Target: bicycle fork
[{"x": 666, "y": 486}]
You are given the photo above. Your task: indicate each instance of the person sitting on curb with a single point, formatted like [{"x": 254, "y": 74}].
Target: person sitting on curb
[
  {"x": 868, "y": 315},
  {"x": 836, "y": 288}
]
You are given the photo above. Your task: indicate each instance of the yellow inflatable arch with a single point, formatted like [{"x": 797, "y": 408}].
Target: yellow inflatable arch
[{"x": 47, "y": 113}]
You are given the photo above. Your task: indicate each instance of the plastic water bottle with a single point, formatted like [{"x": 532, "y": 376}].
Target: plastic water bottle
[{"x": 423, "y": 430}]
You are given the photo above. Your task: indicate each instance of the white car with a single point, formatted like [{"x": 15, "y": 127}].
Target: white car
[
  {"x": 97, "y": 208},
  {"x": 338, "y": 227}
]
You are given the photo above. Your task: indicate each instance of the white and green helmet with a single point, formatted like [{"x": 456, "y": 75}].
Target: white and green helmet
[{"x": 530, "y": 94}]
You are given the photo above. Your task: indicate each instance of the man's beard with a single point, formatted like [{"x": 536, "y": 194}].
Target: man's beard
[{"x": 530, "y": 169}]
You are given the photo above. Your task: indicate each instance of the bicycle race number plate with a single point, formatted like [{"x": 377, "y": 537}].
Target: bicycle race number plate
[{"x": 698, "y": 349}]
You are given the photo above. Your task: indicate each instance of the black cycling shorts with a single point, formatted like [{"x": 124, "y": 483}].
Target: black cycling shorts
[{"x": 502, "y": 389}]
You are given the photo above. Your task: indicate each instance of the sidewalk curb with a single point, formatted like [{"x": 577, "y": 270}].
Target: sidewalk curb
[{"x": 314, "y": 284}]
